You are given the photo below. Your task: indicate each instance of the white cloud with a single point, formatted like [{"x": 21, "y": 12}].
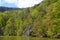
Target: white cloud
[
  {"x": 11, "y": 1},
  {"x": 27, "y": 3},
  {"x": 24, "y": 3}
]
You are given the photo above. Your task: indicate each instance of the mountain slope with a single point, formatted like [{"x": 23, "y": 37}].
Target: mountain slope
[
  {"x": 8, "y": 9},
  {"x": 42, "y": 20}
]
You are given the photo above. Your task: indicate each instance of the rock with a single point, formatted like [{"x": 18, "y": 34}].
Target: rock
[{"x": 57, "y": 35}]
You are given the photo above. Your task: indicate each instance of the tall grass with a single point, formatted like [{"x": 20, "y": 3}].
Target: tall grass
[{"x": 24, "y": 38}]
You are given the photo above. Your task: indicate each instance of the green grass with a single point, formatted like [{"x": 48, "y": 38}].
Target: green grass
[{"x": 25, "y": 38}]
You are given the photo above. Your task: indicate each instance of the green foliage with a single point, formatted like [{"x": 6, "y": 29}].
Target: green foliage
[{"x": 43, "y": 18}]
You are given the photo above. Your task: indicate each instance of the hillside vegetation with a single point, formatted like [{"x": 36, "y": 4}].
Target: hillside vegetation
[{"x": 42, "y": 20}]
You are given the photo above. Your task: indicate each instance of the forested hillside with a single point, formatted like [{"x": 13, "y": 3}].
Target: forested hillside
[
  {"x": 42, "y": 20},
  {"x": 2, "y": 9}
]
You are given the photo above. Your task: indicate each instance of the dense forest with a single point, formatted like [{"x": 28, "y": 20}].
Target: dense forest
[{"x": 42, "y": 20}]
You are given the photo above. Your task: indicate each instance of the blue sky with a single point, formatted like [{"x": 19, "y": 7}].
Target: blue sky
[{"x": 19, "y": 3}]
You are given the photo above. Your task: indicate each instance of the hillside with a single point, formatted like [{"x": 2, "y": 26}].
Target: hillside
[
  {"x": 42, "y": 20},
  {"x": 2, "y": 9}
]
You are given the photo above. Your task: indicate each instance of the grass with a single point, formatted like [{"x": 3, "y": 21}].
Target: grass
[{"x": 24, "y": 38}]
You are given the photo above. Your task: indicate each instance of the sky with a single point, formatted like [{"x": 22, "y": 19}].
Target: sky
[{"x": 19, "y": 3}]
